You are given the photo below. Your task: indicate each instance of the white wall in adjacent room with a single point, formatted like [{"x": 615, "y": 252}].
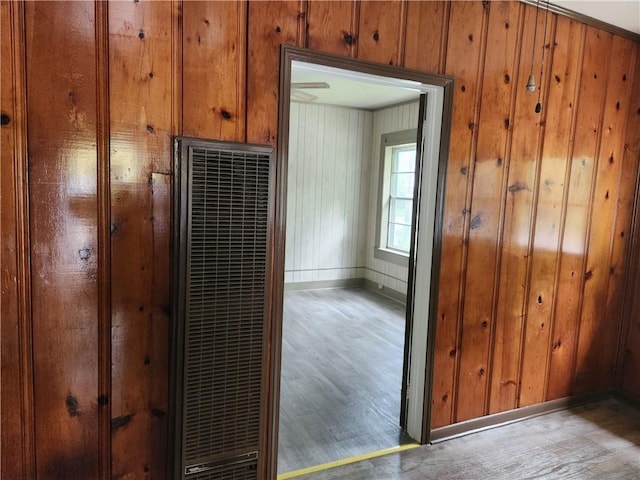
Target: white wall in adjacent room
[{"x": 330, "y": 162}]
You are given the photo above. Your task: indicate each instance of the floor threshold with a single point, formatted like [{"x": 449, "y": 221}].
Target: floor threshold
[{"x": 347, "y": 461}]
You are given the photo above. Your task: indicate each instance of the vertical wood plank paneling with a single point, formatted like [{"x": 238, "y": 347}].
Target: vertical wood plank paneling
[
  {"x": 214, "y": 49},
  {"x": 523, "y": 176},
  {"x": 104, "y": 239},
  {"x": 486, "y": 210},
  {"x": 466, "y": 32},
  {"x": 11, "y": 381},
  {"x": 565, "y": 71},
  {"x": 231, "y": 92},
  {"x": 630, "y": 380},
  {"x": 620, "y": 267},
  {"x": 426, "y": 35},
  {"x": 574, "y": 243},
  {"x": 332, "y": 28},
  {"x": 17, "y": 452},
  {"x": 595, "y": 366},
  {"x": 326, "y": 200},
  {"x": 141, "y": 126},
  {"x": 380, "y": 31},
  {"x": 270, "y": 25},
  {"x": 629, "y": 346},
  {"x": 64, "y": 249}
]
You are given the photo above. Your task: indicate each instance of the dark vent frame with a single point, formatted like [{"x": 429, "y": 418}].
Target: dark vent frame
[{"x": 220, "y": 182}]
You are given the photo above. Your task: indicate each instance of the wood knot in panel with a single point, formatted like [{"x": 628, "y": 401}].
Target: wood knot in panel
[
  {"x": 72, "y": 404},
  {"x": 348, "y": 38},
  {"x": 517, "y": 187},
  {"x": 121, "y": 421},
  {"x": 476, "y": 222}
]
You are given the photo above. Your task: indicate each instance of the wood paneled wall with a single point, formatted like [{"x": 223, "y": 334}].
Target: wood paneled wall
[
  {"x": 628, "y": 379},
  {"x": 327, "y": 192},
  {"x": 537, "y": 215}
]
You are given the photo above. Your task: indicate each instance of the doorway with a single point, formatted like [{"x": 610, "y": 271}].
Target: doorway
[{"x": 401, "y": 233}]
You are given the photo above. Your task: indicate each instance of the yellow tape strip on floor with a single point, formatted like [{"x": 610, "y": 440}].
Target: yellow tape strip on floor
[{"x": 347, "y": 461}]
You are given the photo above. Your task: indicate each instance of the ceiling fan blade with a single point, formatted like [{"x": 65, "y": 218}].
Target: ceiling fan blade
[
  {"x": 302, "y": 96},
  {"x": 310, "y": 85}
]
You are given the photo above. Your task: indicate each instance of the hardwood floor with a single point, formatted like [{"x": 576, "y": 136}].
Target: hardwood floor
[
  {"x": 341, "y": 376},
  {"x": 596, "y": 441}
]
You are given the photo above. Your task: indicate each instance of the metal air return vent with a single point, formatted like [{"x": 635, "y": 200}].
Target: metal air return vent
[{"x": 222, "y": 208}]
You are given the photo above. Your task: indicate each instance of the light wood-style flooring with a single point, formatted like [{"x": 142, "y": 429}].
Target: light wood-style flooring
[
  {"x": 598, "y": 441},
  {"x": 341, "y": 376}
]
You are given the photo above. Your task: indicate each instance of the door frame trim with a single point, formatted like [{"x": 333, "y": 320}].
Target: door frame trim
[{"x": 288, "y": 54}]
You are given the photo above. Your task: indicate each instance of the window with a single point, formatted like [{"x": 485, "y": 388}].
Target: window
[{"x": 395, "y": 200}]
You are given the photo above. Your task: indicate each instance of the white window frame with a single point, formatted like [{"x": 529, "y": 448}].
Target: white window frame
[{"x": 387, "y": 142}]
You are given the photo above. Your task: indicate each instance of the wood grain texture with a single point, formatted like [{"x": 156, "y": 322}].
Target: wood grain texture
[
  {"x": 595, "y": 367},
  {"x": 214, "y": 34},
  {"x": 519, "y": 216},
  {"x": 487, "y": 209},
  {"x": 64, "y": 250},
  {"x": 575, "y": 241},
  {"x": 17, "y": 449},
  {"x": 549, "y": 219},
  {"x": 141, "y": 127},
  {"x": 271, "y": 24},
  {"x": 466, "y": 68},
  {"x": 564, "y": 221},
  {"x": 380, "y": 31},
  {"x": 103, "y": 215},
  {"x": 465, "y": 38},
  {"x": 332, "y": 26},
  {"x": 335, "y": 400},
  {"x": 629, "y": 347},
  {"x": 426, "y": 35},
  {"x": 591, "y": 442}
]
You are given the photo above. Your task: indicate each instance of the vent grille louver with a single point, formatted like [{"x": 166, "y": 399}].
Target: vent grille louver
[{"x": 227, "y": 232}]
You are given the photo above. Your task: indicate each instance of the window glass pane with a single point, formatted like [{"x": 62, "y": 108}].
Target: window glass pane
[
  {"x": 402, "y": 185},
  {"x": 404, "y": 159},
  {"x": 400, "y": 211},
  {"x": 399, "y": 237}
]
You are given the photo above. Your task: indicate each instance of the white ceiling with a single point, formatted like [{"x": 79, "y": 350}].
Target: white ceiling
[
  {"x": 371, "y": 92},
  {"x": 352, "y": 89},
  {"x": 621, "y": 13}
]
